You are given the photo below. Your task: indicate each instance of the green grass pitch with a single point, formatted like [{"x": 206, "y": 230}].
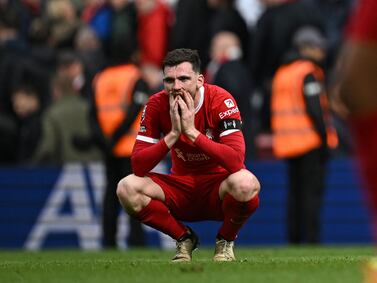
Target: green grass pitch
[{"x": 254, "y": 264}]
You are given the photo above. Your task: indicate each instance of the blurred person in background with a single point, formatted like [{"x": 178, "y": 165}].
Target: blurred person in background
[
  {"x": 272, "y": 40},
  {"x": 225, "y": 17},
  {"x": 70, "y": 65},
  {"x": 211, "y": 17},
  {"x": 153, "y": 76},
  {"x": 119, "y": 95},
  {"x": 8, "y": 138},
  {"x": 189, "y": 33},
  {"x": 24, "y": 11},
  {"x": 154, "y": 22},
  {"x": 64, "y": 23},
  {"x": 303, "y": 132},
  {"x": 42, "y": 58},
  {"x": 27, "y": 107},
  {"x": 97, "y": 15},
  {"x": 90, "y": 55},
  {"x": 22, "y": 61},
  {"x": 227, "y": 70},
  {"x": 335, "y": 14},
  {"x": 12, "y": 46},
  {"x": 250, "y": 11},
  {"x": 123, "y": 29},
  {"x": 66, "y": 118}
]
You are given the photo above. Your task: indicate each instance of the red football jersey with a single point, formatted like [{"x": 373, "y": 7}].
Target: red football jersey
[
  {"x": 363, "y": 23},
  {"x": 216, "y": 116}
]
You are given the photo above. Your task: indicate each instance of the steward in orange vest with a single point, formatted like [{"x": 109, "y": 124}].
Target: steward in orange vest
[
  {"x": 300, "y": 114},
  {"x": 303, "y": 133},
  {"x": 120, "y": 95}
]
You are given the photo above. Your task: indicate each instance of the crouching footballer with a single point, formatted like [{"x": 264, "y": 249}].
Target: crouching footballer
[{"x": 200, "y": 125}]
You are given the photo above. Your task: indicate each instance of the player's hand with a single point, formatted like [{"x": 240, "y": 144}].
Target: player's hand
[
  {"x": 175, "y": 115},
  {"x": 186, "y": 104}
]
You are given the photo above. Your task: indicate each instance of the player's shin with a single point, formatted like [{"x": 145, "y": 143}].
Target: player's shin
[
  {"x": 236, "y": 214},
  {"x": 157, "y": 215}
]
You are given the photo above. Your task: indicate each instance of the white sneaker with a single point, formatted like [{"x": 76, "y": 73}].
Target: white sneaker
[{"x": 224, "y": 250}]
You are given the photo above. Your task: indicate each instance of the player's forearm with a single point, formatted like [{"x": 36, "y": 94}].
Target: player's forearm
[
  {"x": 145, "y": 157},
  {"x": 230, "y": 155},
  {"x": 171, "y": 138},
  {"x": 192, "y": 134}
]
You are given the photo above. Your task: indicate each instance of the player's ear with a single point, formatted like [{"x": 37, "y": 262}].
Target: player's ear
[{"x": 200, "y": 81}]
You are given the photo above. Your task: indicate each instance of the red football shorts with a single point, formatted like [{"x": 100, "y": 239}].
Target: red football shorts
[{"x": 192, "y": 197}]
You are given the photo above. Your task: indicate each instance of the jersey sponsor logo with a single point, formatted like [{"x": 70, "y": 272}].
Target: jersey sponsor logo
[
  {"x": 143, "y": 129},
  {"x": 180, "y": 154},
  {"x": 228, "y": 112},
  {"x": 229, "y": 103},
  {"x": 197, "y": 157},
  {"x": 191, "y": 156}
]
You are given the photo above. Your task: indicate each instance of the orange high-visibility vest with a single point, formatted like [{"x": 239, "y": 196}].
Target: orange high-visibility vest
[
  {"x": 113, "y": 95},
  {"x": 293, "y": 129}
]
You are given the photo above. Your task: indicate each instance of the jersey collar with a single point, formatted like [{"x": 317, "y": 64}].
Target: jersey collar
[{"x": 201, "y": 99}]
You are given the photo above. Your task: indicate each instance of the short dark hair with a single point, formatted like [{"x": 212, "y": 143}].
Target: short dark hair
[
  {"x": 178, "y": 56},
  {"x": 66, "y": 58},
  {"x": 27, "y": 89}
]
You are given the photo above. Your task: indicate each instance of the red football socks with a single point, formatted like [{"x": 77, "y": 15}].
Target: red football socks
[
  {"x": 235, "y": 215},
  {"x": 157, "y": 215},
  {"x": 364, "y": 130}
]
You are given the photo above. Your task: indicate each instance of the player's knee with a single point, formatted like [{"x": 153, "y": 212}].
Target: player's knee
[
  {"x": 246, "y": 188},
  {"x": 129, "y": 194},
  {"x": 255, "y": 186},
  {"x": 125, "y": 189}
]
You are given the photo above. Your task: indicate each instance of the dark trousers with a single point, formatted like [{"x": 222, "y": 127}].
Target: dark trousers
[
  {"x": 306, "y": 187},
  {"x": 116, "y": 169}
]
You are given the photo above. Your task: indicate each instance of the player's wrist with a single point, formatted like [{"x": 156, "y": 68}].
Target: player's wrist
[
  {"x": 192, "y": 134},
  {"x": 171, "y": 138}
]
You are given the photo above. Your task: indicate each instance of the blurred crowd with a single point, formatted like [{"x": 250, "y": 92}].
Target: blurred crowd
[{"x": 52, "y": 50}]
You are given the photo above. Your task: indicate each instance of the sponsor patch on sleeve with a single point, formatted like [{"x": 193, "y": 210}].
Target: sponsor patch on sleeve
[
  {"x": 230, "y": 124},
  {"x": 228, "y": 112},
  {"x": 229, "y": 103}
]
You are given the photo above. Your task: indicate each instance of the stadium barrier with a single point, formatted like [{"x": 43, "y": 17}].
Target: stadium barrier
[{"x": 48, "y": 207}]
